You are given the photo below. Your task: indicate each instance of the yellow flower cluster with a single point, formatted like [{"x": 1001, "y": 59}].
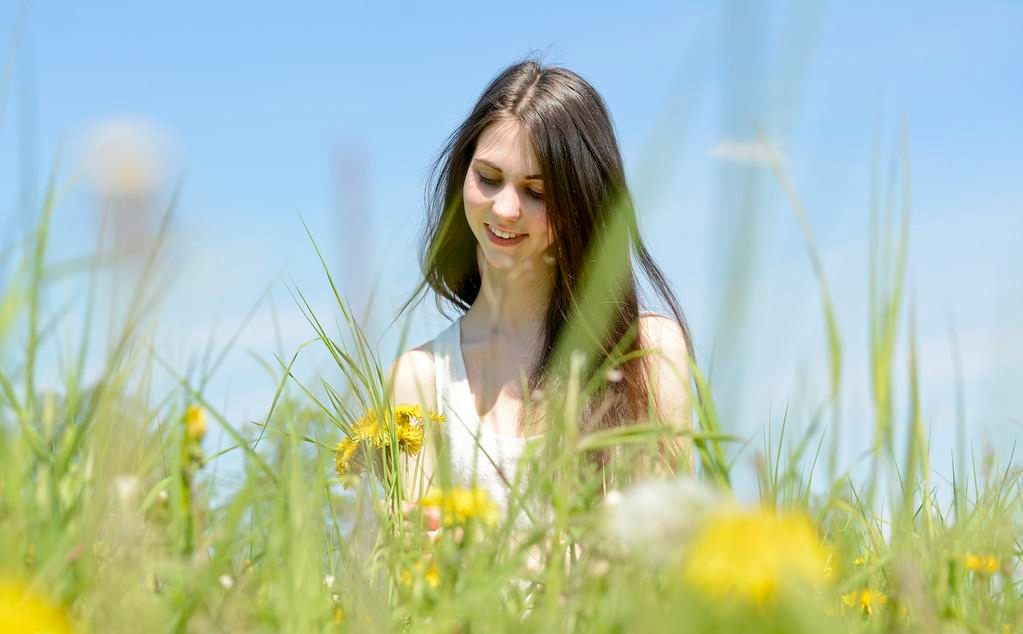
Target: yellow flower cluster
[
  {"x": 866, "y": 600},
  {"x": 982, "y": 564},
  {"x": 429, "y": 573},
  {"x": 751, "y": 554},
  {"x": 458, "y": 505},
  {"x": 368, "y": 431}
]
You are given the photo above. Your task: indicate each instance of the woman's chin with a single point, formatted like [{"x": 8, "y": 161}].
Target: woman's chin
[{"x": 499, "y": 261}]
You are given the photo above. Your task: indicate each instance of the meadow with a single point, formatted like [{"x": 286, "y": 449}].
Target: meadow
[
  {"x": 109, "y": 523},
  {"x": 110, "y": 519}
]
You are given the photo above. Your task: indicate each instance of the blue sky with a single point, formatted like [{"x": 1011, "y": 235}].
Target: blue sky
[{"x": 256, "y": 102}]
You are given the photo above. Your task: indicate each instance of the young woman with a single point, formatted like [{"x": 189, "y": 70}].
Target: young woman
[{"x": 528, "y": 192}]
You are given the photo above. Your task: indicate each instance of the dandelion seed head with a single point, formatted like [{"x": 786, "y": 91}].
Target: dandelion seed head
[
  {"x": 126, "y": 485},
  {"x": 126, "y": 158},
  {"x": 650, "y": 519}
]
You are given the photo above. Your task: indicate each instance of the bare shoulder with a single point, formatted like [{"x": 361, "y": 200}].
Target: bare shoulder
[
  {"x": 670, "y": 385},
  {"x": 413, "y": 377},
  {"x": 663, "y": 334}
]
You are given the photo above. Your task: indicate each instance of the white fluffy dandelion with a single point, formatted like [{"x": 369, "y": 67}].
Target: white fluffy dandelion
[{"x": 653, "y": 518}]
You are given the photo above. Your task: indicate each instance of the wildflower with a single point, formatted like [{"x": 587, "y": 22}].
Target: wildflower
[
  {"x": 650, "y": 519},
  {"x": 409, "y": 432},
  {"x": 429, "y": 574},
  {"x": 21, "y": 611},
  {"x": 369, "y": 428},
  {"x": 410, "y": 438},
  {"x": 226, "y": 581},
  {"x": 408, "y": 415},
  {"x": 859, "y": 561},
  {"x": 866, "y": 600},
  {"x": 432, "y": 577},
  {"x": 126, "y": 485},
  {"x": 982, "y": 564},
  {"x": 339, "y": 615},
  {"x": 345, "y": 456},
  {"x": 408, "y": 420},
  {"x": 458, "y": 505},
  {"x": 751, "y": 555},
  {"x": 126, "y": 159},
  {"x": 329, "y": 582},
  {"x": 195, "y": 423}
]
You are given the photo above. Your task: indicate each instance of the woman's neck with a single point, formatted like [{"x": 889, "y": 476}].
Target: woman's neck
[{"x": 512, "y": 301}]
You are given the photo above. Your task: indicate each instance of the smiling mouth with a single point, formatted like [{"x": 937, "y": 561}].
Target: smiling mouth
[
  {"x": 501, "y": 237},
  {"x": 501, "y": 233}
]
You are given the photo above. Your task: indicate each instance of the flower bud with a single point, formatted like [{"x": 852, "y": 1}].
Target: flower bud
[{"x": 195, "y": 423}]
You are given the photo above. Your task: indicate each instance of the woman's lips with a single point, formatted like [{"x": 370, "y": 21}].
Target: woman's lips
[{"x": 504, "y": 242}]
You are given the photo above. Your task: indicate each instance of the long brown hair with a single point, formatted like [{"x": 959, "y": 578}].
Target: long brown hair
[{"x": 586, "y": 197}]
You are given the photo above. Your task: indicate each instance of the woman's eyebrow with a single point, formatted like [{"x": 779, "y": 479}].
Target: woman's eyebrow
[{"x": 531, "y": 177}]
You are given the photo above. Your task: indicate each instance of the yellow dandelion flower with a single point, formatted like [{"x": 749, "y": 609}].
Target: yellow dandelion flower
[
  {"x": 345, "y": 457},
  {"x": 409, "y": 422},
  {"x": 982, "y": 564},
  {"x": 25, "y": 613},
  {"x": 410, "y": 438},
  {"x": 751, "y": 555},
  {"x": 195, "y": 423},
  {"x": 432, "y": 577},
  {"x": 866, "y": 600},
  {"x": 339, "y": 616},
  {"x": 458, "y": 505},
  {"x": 408, "y": 415},
  {"x": 369, "y": 428}
]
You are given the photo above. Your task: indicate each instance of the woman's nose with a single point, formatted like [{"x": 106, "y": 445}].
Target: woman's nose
[{"x": 506, "y": 204}]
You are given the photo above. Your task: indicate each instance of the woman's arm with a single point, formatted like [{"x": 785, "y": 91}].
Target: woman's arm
[
  {"x": 669, "y": 382},
  {"x": 413, "y": 382}
]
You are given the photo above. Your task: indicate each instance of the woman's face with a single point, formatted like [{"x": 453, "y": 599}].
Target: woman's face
[{"x": 504, "y": 196}]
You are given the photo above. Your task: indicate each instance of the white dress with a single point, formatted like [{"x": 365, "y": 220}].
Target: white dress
[{"x": 479, "y": 456}]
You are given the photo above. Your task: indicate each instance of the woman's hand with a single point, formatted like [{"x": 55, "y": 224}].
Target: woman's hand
[{"x": 428, "y": 516}]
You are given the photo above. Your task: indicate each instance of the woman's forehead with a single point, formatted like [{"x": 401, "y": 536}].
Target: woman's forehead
[{"x": 506, "y": 145}]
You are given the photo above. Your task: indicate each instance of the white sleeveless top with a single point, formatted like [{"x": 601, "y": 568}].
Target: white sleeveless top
[{"x": 479, "y": 456}]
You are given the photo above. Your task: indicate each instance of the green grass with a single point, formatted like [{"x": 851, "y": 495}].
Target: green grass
[
  {"x": 109, "y": 510},
  {"x": 106, "y": 506}
]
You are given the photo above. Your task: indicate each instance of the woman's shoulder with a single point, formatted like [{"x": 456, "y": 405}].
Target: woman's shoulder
[
  {"x": 413, "y": 375},
  {"x": 661, "y": 332}
]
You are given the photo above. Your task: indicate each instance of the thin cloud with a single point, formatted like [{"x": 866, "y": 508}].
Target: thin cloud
[{"x": 751, "y": 152}]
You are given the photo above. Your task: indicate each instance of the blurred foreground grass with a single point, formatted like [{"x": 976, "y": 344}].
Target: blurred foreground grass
[
  {"x": 109, "y": 521},
  {"x": 108, "y": 524}
]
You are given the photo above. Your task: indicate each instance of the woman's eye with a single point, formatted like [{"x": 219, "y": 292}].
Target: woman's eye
[{"x": 496, "y": 181}]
